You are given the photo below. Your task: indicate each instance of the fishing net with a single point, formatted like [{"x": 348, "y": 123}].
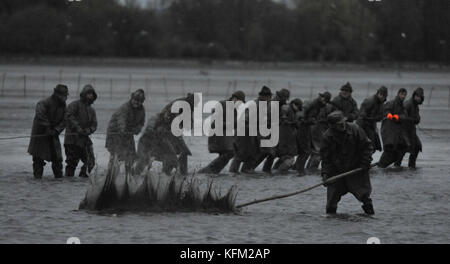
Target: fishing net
[{"x": 149, "y": 191}]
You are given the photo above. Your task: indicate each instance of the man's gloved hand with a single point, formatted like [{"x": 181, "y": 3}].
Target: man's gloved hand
[
  {"x": 396, "y": 117},
  {"x": 365, "y": 167},
  {"x": 86, "y": 132},
  {"x": 389, "y": 116},
  {"x": 51, "y": 132},
  {"x": 79, "y": 130}
]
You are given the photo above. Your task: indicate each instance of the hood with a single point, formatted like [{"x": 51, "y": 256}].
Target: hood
[
  {"x": 265, "y": 91},
  {"x": 240, "y": 95},
  {"x": 87, "y": 89},
  {"x": 398, "y": 100},
  {"x": 326, "y": 95},
  {"x": 283, "y": 94},
  {"x": 418, "y": 92}
]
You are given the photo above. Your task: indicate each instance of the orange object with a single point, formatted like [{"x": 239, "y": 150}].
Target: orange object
[
  {"x": 396, "y": 117},
  {"x": 389, "y": 116}
]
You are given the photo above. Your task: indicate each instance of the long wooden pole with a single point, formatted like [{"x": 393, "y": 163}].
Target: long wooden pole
[{"x": 337, "y": 177}]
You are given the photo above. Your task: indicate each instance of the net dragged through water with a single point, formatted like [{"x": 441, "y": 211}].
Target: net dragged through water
[{"x": 154, "y": 192}]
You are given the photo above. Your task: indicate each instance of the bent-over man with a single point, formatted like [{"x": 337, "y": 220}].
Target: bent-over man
[
  {"x": 160, "y": 143},
  {"x": 345, "y": 147},
  {"x": 370, "y": 113},
  {"x": 126, "y": 122},
  {"x": 223, "y": 145},
  {"x": 413, "y": 119},
  {"x": 264, "y": 153},
  {"x": 246, "y": 147},
  {"x": 395, "y": 141},
  {"x": 344, "y": 102},
  {"x": 286, "y": 149}
]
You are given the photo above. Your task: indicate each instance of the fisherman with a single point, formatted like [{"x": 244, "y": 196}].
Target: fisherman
[
  {"x": 223, "y": 145},
  {"x": 179, "y": 144},
  {"x": 370, "y": 113},
  {"x": 49, "y": 122},
  {"x": 154, "y": 144},
  {"x": 345, "y": 147},
  {"x": 268, "y": 154},
  {"x": 247, "y": 147},
  {"x": 413, "y": 119},
  {"x": 344, "y": 102},
  {"x": 310, "y": 132},
  {"x": 286, "y": 150},
  {"x": 395, "y": 141},
  {"x": 81, "y": 123},
  {"x": 126, "y": 122},
  {"x": 160, "y": 143}
]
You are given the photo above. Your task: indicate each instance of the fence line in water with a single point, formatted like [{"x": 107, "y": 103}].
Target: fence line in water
[{"x": 32, "y": 86}]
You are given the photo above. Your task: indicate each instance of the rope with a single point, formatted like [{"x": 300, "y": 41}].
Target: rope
[
  {"x": 329, "y": 180},
  {"x": 70, "y": 134},
  {"x": 103, "y": 133}
]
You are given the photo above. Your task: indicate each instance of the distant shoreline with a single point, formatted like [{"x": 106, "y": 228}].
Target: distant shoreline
[{"x": 218, "y": 64}]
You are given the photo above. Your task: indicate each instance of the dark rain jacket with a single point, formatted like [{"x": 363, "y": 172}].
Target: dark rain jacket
[
  {"x": 247, "y": 147},
  {"x": 343, "y": 152},
  {"x": 288, "y": 132},
  {"x": 124, "y": 124},
  {"x": 81, "y": 118},
  {"x": 223, "y": 144},
  {"x": 312, "y": 110},
  {"x": 319, "y": 127},
  {"x": 156, "y": 142},
  {"x": 412, "y": 111},
  {"x": 50, "y": 115},
  {"x": 305, "y": 119},
  {"x": 370, "y": 113},
  {"x": 164, "y": 126},
  {"x": 392, "y": 132},
  {"x": 348, "y": 106},
  {"x": 267, "y": 118},
  {"x": 313, "y": 125}
]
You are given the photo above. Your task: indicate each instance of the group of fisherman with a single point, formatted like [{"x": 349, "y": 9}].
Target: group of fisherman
[
  {"x": 332, "y": 132},
  {"x": 302, "y": 130},
  {"x": 79, "y": 120}
]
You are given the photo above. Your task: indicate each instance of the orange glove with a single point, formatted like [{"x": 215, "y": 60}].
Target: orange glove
[
  {"x": 389, "y": 116},
  {"x": 396, "y": 117}
]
